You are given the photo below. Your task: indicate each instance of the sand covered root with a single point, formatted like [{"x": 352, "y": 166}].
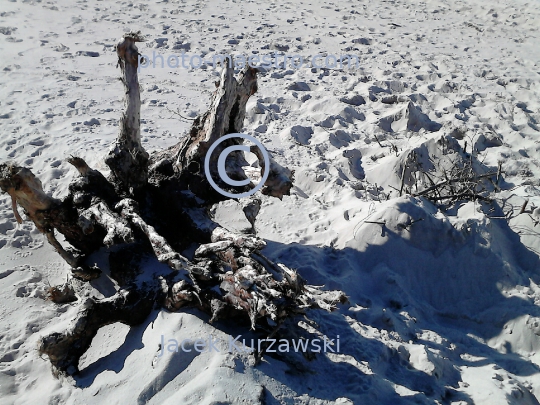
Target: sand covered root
[
  {"x": 157, "y": 206},
  {"x": 229, "y": 278},
  {"x": 441, "y": 171},
  {"x": 128, "y": 306}
]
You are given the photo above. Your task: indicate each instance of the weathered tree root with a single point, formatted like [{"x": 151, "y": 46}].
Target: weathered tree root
[
  {"x": 159, "y": 204},
  {"x": 129, "y": 306},
  {"x": 49, "y": 214}
]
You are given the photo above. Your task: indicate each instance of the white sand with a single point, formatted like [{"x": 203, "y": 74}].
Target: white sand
[{"x": 443, "y": 313}]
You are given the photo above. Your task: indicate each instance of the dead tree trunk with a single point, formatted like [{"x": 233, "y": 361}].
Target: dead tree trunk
[
  {"x": 127, "y": 159},
  {"x": 157, "y": 206},
  {"x": 225, "y": 115}
]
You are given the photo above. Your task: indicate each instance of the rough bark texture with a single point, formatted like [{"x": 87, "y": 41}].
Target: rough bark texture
[
  {"x": 127, "y": 159},
  {"x": 185, "y": 161},
  {"x": 157, "y": 206}
]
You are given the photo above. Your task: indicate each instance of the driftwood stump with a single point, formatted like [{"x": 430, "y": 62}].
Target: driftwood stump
[{"x": 158, "y": 205}]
